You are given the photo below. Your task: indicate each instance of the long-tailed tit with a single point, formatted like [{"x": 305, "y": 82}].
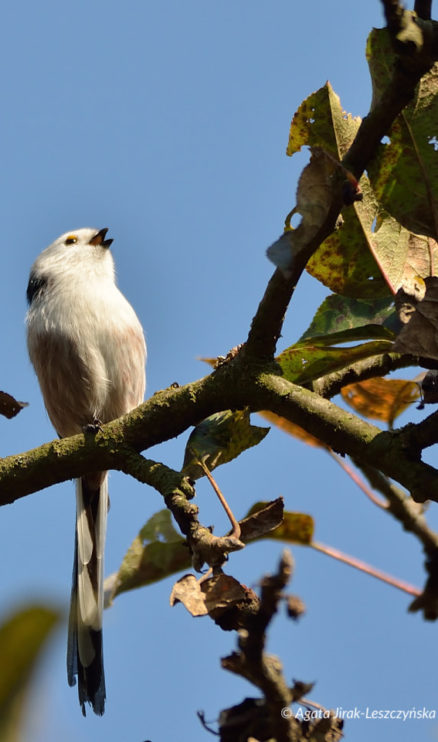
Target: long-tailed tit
[{"x": 88, "y": 350}]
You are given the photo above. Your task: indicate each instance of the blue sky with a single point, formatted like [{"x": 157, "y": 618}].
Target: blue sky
[{"x": 167, "y": 122}]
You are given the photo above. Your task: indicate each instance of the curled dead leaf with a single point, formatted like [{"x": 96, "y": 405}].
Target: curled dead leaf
[
  {"x": 214, "y": 596},
  {"x": 187, "y": 591},
  {"x": 313, "y": 200},
  {"x": 261, "y": 520}
]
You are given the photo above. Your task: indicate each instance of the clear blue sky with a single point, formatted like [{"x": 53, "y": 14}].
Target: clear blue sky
[{"x": 167, "y": 122}]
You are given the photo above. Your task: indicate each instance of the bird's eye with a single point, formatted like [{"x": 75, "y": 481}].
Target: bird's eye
[{"x": 71, "y": 239}]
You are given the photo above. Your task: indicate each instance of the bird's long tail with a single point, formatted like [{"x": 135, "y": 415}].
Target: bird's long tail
[{"x": 84, "y": 651}]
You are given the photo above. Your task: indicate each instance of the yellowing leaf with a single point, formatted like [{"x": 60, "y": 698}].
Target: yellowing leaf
[
  {"x": 296, "y": 528},
  {"x": 381, "y": 399},
  {"x": 320, "y": 121}
]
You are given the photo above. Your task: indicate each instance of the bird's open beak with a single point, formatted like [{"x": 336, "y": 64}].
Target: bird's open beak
[{"x": 99, "y": 238}]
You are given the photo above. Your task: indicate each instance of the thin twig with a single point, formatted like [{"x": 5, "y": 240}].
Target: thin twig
[
  {"x": 367, "y": 568},
  {"x": 357, "y": 480},
  {"x": 402, "y": 507}
]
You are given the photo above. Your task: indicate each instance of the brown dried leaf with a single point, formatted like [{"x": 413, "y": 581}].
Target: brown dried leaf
[
  {"x": 295, "y": 606},
  {"x": 381, "y": 399},
  {"x": 209, "y": 597},
  {"x": 221, "y": 592},
  {"x": 187, "y": 591},
  {"x": 9, "y": 407},
  {"x": 429, "y": 387},
  {"x": 261, "y": 519}
]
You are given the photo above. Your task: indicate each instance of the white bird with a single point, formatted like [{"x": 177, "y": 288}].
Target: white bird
[{"x": 88, "y": 350}]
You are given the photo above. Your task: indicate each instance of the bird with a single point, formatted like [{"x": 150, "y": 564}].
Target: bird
[{"x": 88, "y": 350}]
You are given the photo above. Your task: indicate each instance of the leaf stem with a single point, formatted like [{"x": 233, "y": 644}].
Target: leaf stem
[{"x": 234, "y": 523}]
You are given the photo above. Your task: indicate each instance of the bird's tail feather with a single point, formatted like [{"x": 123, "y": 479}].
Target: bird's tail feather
[{"x": 84, "y": 651}]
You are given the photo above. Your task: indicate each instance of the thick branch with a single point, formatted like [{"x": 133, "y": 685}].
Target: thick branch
[
  {"x": 263, "y": 670},
  {"x": 232, "y": 386},
  {"x": 395, "y": 453},
  {"x": 177, "y": 491},
  {"x": 423, "y": 9},
  {"x": 268, "y": 321},
  {"x": 331, "y": 384}
]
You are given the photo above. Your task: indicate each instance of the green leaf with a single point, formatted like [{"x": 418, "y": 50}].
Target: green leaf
[
  {"x": 404, "y": 174},
  {"x": 320, "y": 121},
  {"x": 159, "y": 527},
  {"x": 157, "y": 552},
  {"x": 219, "y": 439},
  {"x": 309, "y": 360},
  {"x": 338, "y": 313},
  {"x": 361, "y": 332},
  {"x": 381, "y": 60},
  {"x": 22, "y": 638}
]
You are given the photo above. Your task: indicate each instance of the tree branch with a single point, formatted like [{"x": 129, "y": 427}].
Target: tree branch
[
  {"x": 423, "y": 9},
  {"x": 401, "y": 506},
  {"x": 265, "y": 671},
  {"x": 232, "y": 386}
]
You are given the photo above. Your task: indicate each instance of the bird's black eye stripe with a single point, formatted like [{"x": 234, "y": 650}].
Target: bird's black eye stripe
[{"x": 35, "y": 287}]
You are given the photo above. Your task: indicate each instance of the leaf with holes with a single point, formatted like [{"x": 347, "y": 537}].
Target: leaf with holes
[
  {"x": 320, "y": 121},
  {"x": 313, "y": 201}
]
